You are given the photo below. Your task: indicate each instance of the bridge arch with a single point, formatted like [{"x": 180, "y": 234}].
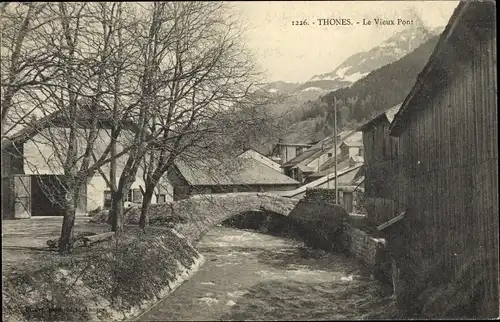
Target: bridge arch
[{"x": 203, "y": 212}]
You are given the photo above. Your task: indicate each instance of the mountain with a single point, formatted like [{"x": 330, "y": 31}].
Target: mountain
[
  {"x": 364, "y": 84},
  {"x": 297, "y": 97},
  {"x": 361, "y": 64},
  {"x": 364, "y": 99},
  {"x": 356, "y": 66},
  {"x": 280, "y": 87}
]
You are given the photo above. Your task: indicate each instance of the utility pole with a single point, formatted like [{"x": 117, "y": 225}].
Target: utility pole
[
  {"x": 322, "y": 148},
  {"x": 335, "y": 147}
]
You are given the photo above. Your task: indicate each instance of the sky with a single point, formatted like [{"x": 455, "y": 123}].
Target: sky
[{"x": 295, "y": 53}]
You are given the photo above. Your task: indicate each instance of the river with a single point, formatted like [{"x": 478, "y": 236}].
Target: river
[{"x": 253, "y": 276}]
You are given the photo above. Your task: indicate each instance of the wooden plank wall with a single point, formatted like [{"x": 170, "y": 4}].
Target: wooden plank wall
[
  {"x": 381, "y": 172},
  {"x": 449, "y": 168}
]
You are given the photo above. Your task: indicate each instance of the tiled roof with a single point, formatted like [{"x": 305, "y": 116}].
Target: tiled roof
[
  {"x": 304, "y": 168},
  {"x": 358, "y": 158},
  {"x": 236, "y": 171},
  {"x": 352, "y": 143},
  {"x": 301, "y": 157},
  {"x": 322, "y": 147},
  {"x": 328, "y": 166},
  {"x": 320, "y": 181},
  {"x": 296, "y": 144}
]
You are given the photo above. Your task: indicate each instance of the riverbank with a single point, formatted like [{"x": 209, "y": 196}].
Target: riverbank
[
  {"x": 118, "y": 280},
  {"x": 114, "y": 280},
  {"x": 255, "y": 276}
]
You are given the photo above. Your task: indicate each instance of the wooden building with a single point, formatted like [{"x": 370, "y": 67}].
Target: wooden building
[
  {"x": 288, "y": 151},
  {"x": 225, "y": 176},
  {"x": 380, "y": 159},
  {"x": 312, "y": 160},
  {"x": 33, "y": 174},
  {"x": 448, "y": 167}
]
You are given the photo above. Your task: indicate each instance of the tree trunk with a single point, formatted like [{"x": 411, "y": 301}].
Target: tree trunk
[
  {"x": 116, "y": 212},
  {"x": 146, "y": 201},
  {"x": 112, "y": 170},
  {"x": 65, "y": 241}
]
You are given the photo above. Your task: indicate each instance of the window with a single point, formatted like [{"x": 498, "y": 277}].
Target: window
[
  {"x": 133, "y": 195},
  {"x": 330, "y": 155},
  {"x": 161, "y": 198},
  {"x": 128, "y": 196},
  {"x": 136, "y": 196},
  {"x": 235, "y": 189},
  {"x": 107, "y": 199}
]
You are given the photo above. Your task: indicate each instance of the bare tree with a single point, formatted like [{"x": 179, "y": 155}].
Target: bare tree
[
  {"x": 84, "y": 98},
  {"x": 201, "y": 110},
  {"x": 173, "y": 73},
  {"x": 24, "y": 65}
]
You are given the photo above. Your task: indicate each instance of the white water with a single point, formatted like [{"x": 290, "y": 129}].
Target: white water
[{"x": 252, "y": 276}]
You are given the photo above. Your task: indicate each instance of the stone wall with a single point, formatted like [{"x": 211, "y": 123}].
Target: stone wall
[
  {"x": 193, "y": 217},
  {"x": 320, "y": 224},
  {"x": 320, "y": 194},
  {"x": 371, "y": 251},
  {"x": 361, "y": 245}
]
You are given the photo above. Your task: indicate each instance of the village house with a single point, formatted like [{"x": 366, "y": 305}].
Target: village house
[
  {"x": 328, "y": 152},
  {"x": 310, "y": 161},
  {"x": 447, "y": 181},
  {"x": 284, "y": 152},
  {"x": 351, "y": 155},
  {"x": 32, "y": 175},
  {"x": 349, "y": 180},
  {"x": 350, "y": 148},
  {"x": 380, "y": 160},
  {"x": 226, "y": 176},
  {"x": 329, "y": 167},
  {"x": 251, "y": 153}
]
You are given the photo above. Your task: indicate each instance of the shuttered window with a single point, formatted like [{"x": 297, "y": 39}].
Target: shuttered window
[
  {"x": 136, "y": 196},
  {"x": 107, "y": 199}
]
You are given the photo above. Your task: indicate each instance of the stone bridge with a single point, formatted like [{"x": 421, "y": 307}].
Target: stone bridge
[{"x": 202, "y": 212}]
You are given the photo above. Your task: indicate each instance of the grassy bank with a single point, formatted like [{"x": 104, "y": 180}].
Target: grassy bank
[{"x": 112, "y": 281}]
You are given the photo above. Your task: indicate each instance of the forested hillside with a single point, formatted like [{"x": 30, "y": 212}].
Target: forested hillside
[{"x": 378, "y": 91}]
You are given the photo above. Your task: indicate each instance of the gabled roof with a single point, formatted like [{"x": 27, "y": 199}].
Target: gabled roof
[
  {"x": 304, "y": 168},
  {"x": 473, "y": 12},
  {"x": 260, "y": 154},
  {"x": 262, "y": 158},
  {"x": 320, "y": 148},
  {"x": 387, "y": 115},
  {"x": 58, "y": 119},
  {"x": 319, "y": 181},
  {"x": 329, "y": 166},
  {"x": 236, "y": 171},
  {"x": 296, "y": 144},
  {"x": 352, "y": 144},
  {"x": 357, "y": 158},
  {"x": 301, "y": 157},
  {"x": 249, "y": 150}
]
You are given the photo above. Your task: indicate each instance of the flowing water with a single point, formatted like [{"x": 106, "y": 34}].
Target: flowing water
[{"x": 253, "y": 276}]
